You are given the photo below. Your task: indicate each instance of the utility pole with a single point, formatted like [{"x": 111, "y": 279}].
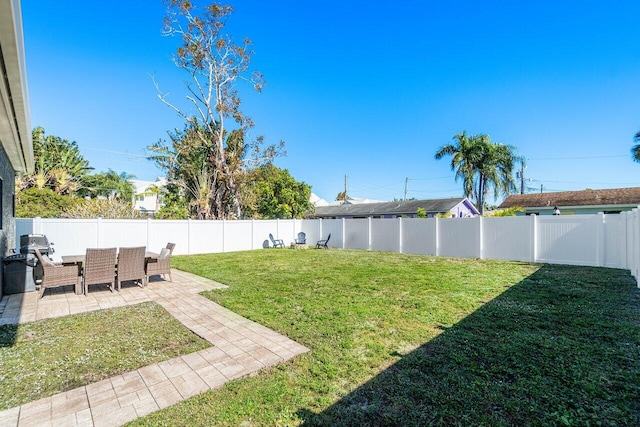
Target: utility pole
[
  {"x": 406, "y": 183},
  {"x": 523, "y": 165},
  {"x": 345, "y": 189},
  {"x": 541, "y": 188}
]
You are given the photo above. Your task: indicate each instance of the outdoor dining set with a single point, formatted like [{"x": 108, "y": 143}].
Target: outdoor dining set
[{"x": 110, "y": 266}]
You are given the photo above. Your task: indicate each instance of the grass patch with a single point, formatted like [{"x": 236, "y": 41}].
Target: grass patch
[
  {"x": 412, "y": 340},
  {"x": 50, "y": 356}
]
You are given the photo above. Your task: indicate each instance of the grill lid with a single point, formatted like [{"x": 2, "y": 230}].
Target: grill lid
[{"x": 30, "y": 242}]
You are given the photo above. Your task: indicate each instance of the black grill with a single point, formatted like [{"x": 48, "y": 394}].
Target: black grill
[{"x": 30, "y": 242}]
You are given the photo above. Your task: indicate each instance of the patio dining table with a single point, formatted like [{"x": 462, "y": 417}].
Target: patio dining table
[{"x": 79, "y": 260}]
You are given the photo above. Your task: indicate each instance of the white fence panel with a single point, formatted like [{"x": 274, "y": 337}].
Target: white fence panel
[
  {"x": 419, "y": 236},
  {"x": 237, "y": 235},
  {"x": 459, "y": 237},
  {"x": 261, "y": 231},
  {"x": 598, "y": 240},
  {"x": 385, "y": 235},
  {"x": 568, "y": 239},
  {"x": 510, "y": 238},
  {"x": 70, "y": 237},
  {"x": 356, "y": 235},
  {"x": 121, "y": 233},
  {"x": 205, "y": 237},
  {"x": 286, "y": 230},
  {"x": 333, "y": 227},
  {"x": 23, "y": 226},
  {"x": 313, "y": 228},
  {"x": 161, "y": 232},
  {"x": 615, "y": 241}
]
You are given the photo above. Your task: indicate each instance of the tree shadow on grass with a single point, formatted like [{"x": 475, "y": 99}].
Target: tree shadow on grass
[{"x": 562, "y": 347}]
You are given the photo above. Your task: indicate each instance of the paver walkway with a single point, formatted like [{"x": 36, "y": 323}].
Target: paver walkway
[{"x": 240, "y": 348}]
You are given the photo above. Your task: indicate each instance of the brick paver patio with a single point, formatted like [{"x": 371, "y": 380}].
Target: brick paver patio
[{"x": 240, "y": 348}]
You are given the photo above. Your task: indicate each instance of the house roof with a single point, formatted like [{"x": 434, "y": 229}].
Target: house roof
[
  {"x": 606, "y": 197},
  {"x": 15, "y": 131},
  {"x": 141, "y": 187},
  {"x": 390, "y": 208}
]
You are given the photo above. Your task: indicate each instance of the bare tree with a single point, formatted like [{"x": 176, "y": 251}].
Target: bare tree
[{"x": 215, "y": 64}]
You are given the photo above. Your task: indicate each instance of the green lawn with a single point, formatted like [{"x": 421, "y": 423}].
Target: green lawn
[
  {"x": 413, "y": 340},
  {"x": 43, "y": 358}
]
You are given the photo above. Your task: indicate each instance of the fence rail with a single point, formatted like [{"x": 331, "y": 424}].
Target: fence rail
[{"x": 590, "y": 240}]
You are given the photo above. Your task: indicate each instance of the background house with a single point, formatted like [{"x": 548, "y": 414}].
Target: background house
[
  {"x": 148, "y": 195},
  {"x": 456, "y": 207},
  {"x": 16, "y": 154},
  {"x": 614, "y": 200}
]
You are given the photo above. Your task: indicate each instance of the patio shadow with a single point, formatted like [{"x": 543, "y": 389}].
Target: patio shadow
[{"x": 559, "y": 348}]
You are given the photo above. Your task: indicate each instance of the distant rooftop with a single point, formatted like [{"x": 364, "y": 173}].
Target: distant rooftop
[
  {"x": 606, "y": 197},
  {"x": 389, "y": 208}
]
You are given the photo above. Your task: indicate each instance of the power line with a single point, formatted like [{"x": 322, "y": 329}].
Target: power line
[{"x": 579, "y": 158}]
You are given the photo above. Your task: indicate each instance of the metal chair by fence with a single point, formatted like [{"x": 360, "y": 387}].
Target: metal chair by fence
[
  {"x": 302, "y": 239},
  {"x": 323, "y": 243},
  {"x": 99, "y": 268},
  {"x": 131, "y": 266},
  {"x": 277, "y": 243},
  {"x": 55, "y": 274}
]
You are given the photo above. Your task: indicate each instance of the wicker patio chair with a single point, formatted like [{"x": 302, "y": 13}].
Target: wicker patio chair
[
  {"x": 58, "y": 274},
  {"x": 99, "y": 267},
  {"x": 162, "y": 265},
  {"x": 131, "y": 266}
]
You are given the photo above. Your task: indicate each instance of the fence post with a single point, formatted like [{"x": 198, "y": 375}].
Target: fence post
[
  {"x": 188, "y": 236},
  {"x": 480, "y": 238},
  {"x": 344, "y": 232},
  {"x": 601, "y": 240},
  {"x": 437, "y": 233},
  {"x": 253, "y": 232},
  {"x": 223, "y": 234},
  {"x": 99, "y": 231},
  {"x": 320, "y": 227},
  {"x": 400, "y": 240},
  {"x": 148, "y": 232},
  {"x": 534, "y": 237},
  {"x": 369, "y": 232},
  {"x": 37, "y": 225},
  {"x": 634, "y": 242}
]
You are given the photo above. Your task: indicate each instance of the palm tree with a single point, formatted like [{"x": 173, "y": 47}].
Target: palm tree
[
  {"x": 635, "y": 150},
  {"x": 59, "y": 164},
  {"x": 464, "y": 157},
  {"x": 482, "y": 165},
  {"x": 495, "y": 170}
]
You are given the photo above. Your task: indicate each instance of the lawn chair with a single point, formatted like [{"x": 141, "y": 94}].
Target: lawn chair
[
  {"x": 99, "y": 267},
  {"x": 302, "y": 239},
  {"x": 277, "y": 243},
  {"x": 162, "y": 265},
  {"x": 131, "y": 266},
  {"x": 323, "y": 243},
  {"x": 58, "y": 274}
]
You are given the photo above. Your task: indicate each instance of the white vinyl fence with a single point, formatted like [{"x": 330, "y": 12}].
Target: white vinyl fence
[{"x": 590, "y": 240}]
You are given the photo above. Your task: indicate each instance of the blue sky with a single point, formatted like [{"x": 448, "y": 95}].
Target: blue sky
[{"x": 366, "y": 89}]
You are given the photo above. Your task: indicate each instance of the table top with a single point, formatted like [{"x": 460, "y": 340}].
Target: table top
[{"x": 79, "y": 259}]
